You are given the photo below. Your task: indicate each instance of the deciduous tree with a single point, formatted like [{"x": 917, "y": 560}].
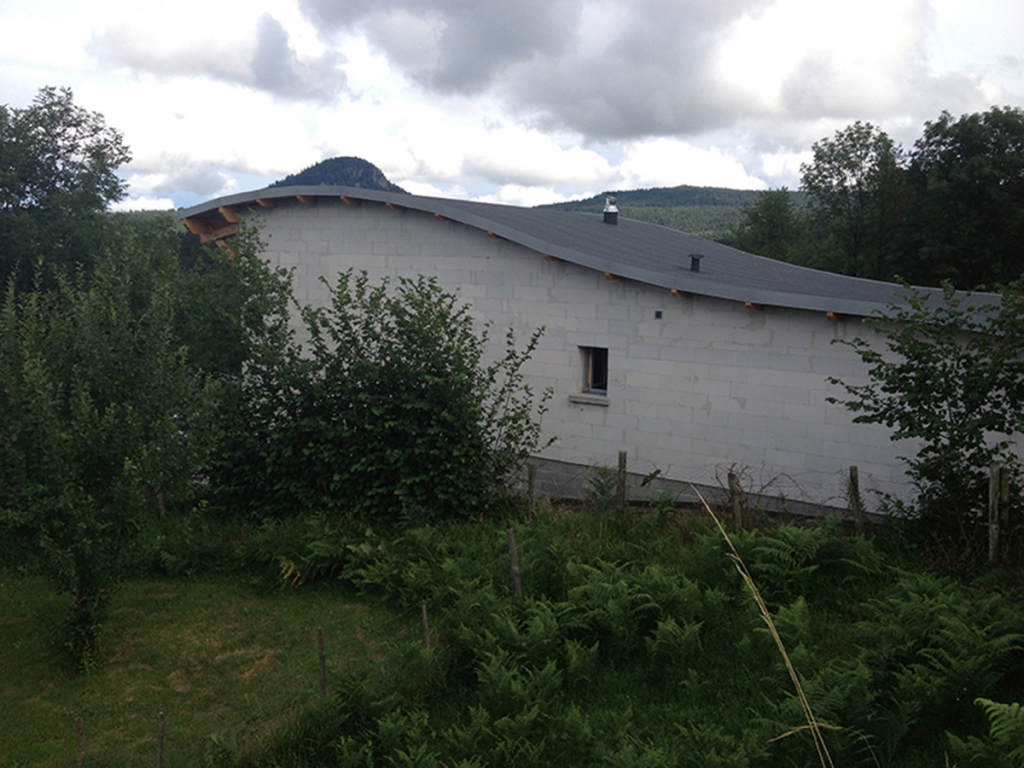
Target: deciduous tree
[
  {"x": 58, "y": 166},
  {"x": 772, "y": 226},
  {"x": 855, "y": 188},
  {"x": 101, "y": 422},
  {"x": 968, "y": 174}
]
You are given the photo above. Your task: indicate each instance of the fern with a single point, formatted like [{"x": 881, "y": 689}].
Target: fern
[
  {"x": 1006, "y": 725},
  {"x": 1004, "y": 746}
]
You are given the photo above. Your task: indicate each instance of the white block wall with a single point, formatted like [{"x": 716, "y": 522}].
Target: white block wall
[{"x": 710, "y": 386}]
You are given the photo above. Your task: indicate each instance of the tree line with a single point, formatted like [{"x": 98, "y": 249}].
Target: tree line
[{"x": 951, "y": 209}]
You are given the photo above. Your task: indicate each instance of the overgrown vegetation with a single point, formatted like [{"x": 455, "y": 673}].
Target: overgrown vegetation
[{"x": 638, "y": 644}]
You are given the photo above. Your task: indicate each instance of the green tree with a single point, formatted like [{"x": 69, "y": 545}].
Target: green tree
[
  {"x": 856, "y": 193},
  {"x": 101, "y": 422},
  {"x": 771, "y": 227},
  {"x": 951, "y": 376},
  {"x": 58, "y": 166},
  {"x": 968, "y": 174}
]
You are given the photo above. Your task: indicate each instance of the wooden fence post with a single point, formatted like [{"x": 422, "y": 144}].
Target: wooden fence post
[
  {"x": 855, "y": 502},
  {"x": 79, "y": 742},
  {"x": 736, "y": 500},
  {"x": 621, "y": 488},
  {"x": 426, "y": 625},
  {"x": 993, "y": 511},
  {"x": 513, "y": 555},
  {"x": 531, "y": 480},
  {"x": 1004, "y": 509},
  {"x": 160, "y": 740},
  {"x": 323, "y": 661}
]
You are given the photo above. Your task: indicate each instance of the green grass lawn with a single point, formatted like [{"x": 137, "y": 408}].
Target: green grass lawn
[{"x": 226, "y": 663}]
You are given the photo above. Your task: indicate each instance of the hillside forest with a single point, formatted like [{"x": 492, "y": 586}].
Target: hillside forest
[{"x": 165, "y": 441}]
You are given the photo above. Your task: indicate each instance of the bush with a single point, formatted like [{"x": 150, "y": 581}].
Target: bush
[
  {"x": 952, "y": 377},
  {"x": 392, "y": 416}
]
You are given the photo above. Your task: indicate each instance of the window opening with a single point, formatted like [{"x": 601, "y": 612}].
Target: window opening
[{"x": 595, "y": 370}]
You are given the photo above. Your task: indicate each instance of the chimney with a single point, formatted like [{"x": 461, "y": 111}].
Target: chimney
[
  {"x": 611, "y": 211},
  {"x": 695, "y": 261}
]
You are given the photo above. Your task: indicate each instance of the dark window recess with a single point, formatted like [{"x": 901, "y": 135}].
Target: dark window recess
[{"x": 595, "y": 370}]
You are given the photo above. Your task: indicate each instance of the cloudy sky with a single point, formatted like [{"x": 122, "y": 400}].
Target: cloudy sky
[{"x": 515, "y": 101}]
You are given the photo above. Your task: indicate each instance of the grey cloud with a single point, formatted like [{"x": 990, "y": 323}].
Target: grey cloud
[
  {"x": 474, "y": 41},
  {"x": 648, "y": 73},
  {"x": 271, "y": 65},
  {"x": 611, "y": 70},
  {"x": 276, "y": 68},
  {"x": 201, "y": 180}
]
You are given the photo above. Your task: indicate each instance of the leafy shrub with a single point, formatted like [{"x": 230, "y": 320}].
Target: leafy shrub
[
  {"x": 393, "y": 416},
  {"x": 951, "y": 376},
  {"x": 403, "y": 408}
]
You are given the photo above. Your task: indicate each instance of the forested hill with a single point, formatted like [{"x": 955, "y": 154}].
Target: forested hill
[
  {"x": 711, "y": 212},
  {"x": 342, "y": 171},
  {"x": 665, "y": 197}
]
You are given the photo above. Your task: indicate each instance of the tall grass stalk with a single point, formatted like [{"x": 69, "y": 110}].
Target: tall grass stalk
[{"x": 812, "y": 724}]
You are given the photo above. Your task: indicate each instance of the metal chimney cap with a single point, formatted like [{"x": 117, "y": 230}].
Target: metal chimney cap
[{"x": 611, "y": 211}]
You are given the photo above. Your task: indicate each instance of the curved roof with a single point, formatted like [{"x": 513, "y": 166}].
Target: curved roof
[{"x": 635, "y": 250}]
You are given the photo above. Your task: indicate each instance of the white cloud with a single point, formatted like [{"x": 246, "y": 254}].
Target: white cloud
[
  {"x": 517, "y": 194},
  {"x": 143, "y": 203},
  {"x": 454, "y": 192},
  {"x": 670, "y": 163}
]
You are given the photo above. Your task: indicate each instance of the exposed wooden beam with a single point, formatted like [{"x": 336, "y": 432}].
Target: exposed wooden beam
[
  {"x": 832, "y": 317},
  {"x": 752, "y": 306},
  {"x": 229, "y": 213},
  {"x": 394, "y": 207},
  {"x": 349, "y": 200},
  {"x": 195, "y": 226},
  {"x": 495, "y": 236},
  {"x": 219, "y": 234},
  {"x": 549, "y": 257},
  {"x": 306, "y": 199},
  {"x": 610, "y": 276},
  {"x": 441, "y": 217},
  {"x": 678, "y": 293},
  {"x": 266, "y": 202}
]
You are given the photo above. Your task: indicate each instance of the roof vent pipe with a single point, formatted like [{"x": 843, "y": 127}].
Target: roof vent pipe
[
  {"x": 611, "y": 211},
  {"x": 695, "y": 261}
]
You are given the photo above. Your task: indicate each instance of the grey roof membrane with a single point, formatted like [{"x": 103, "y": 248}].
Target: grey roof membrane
[{"x": 635, "y": 250}]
